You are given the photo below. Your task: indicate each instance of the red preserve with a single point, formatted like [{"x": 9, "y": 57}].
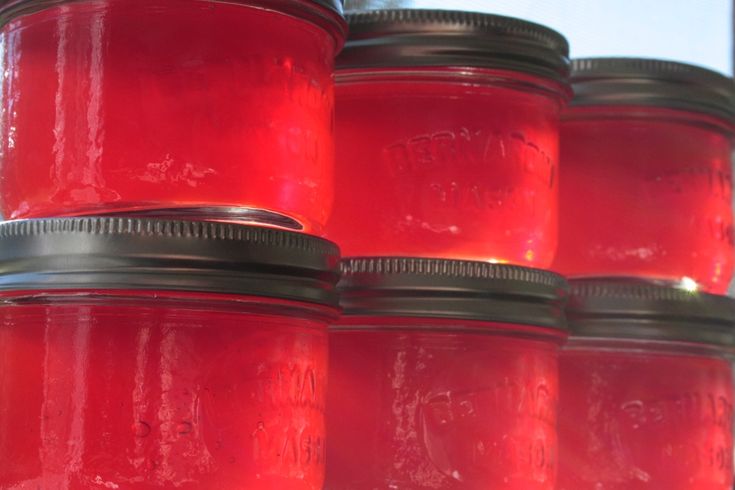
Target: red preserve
[
  {"x": 213, "y": 109},
  {"x": 646, "y": 389},
  {"x": 145, "y": 354},
  {"x": 443, "y": 375},
  {"x": 646, "y": 179},
  {"x": 447, "y": 137}
]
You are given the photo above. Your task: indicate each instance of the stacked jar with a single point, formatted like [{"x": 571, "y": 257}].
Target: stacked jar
[
  {"x": 447, "y": 137},
  {"x": 646, "y": 392},
  {"x": 443, "y": 375},
  {"x": 645, "y": 174},
  {"x": 646, "y": 224},
  {"x": 443, "y": 368},
  {"x": 213, "y": 110},
  {"x": 139, "y": 354},
  {"x": 158, "y": 331}
]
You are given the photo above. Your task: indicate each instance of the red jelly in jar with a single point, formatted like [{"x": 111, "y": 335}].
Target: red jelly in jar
[
  {"x": 443, "y": 375},
  {"x": 210, "y": 109},
  {"x": 646, "y": 400},
  {"x": 147, "y": 354},
  {"x": 447, "y": 137},
  {"x": 646, "y": 179}
]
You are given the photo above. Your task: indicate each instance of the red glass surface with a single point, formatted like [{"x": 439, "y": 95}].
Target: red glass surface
[
  {"x": 633, "y": 418},
  {"x": 451, "y": 163},
  {"x": 130, "y": 393},
  {"x": 135, "y": 105},
  {"x": 647, "y": 193},
  {"x": 435, "y": 404}
]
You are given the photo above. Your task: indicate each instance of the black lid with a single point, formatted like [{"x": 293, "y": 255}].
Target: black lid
[
  {"x": 166, "y": 255},
  {"x": 459, "y": 289},
  {"x": 630, "y": 309},
  {"x": 411, "y": 38},
  {"x": 649, "y": 82},
  {"x": 332, "y": 16}
]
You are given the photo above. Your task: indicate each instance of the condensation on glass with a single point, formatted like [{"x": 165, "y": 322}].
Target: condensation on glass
[
  {"x": 447, "y": 137},
  {"x": 444, "y": 390},
  {"x": 172, "y": 371},
  {"x": 209, "y": 109}
]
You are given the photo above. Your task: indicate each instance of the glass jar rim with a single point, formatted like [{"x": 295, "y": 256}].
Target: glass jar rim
[
  {"x": 465, "y": 75},
  {"x": 190, "y": 300}
]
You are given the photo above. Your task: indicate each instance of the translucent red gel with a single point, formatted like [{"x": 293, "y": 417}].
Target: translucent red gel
[
  {"x": 412, "y": 406},
  {"x": 446, "y": 163},
  {"x": 130, "y": 105},
  {"x": 632, "y": 418},
  {"x": 647, "y": 193},
  {"x": 132, "y": 394}
]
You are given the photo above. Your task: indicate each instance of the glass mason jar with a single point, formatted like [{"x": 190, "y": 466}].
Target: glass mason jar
[
  {"x": 646, "y": 179},
  {"x": 210, "y": 109},
  {"x": 145, "y": 354},
  {"x": 443, "y": 375},
  {"x": 646, "y": 389},
  {"x": 447, "y": 137}
]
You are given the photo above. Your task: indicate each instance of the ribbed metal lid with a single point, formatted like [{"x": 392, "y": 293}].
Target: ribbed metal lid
[
  {"x": 168, "y": 255},
  {"x": 435, "y": 288},
  {"x": 630, "y": 309},
  {"x": 650, "y": 82},
  {"x": 412, "y": 38},
  {"x": 309, "y": 9}
]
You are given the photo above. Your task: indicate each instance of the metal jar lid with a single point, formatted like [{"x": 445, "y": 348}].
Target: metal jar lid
[
  {"x": 166, "y": 255},
  {"x": 328, "y": 13},
  {"x": 457, "y": 289},
  {"x": 649, "y": 82},
  {"x": 630, "y": 309},
  {"x": 443, "y": 38}
]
